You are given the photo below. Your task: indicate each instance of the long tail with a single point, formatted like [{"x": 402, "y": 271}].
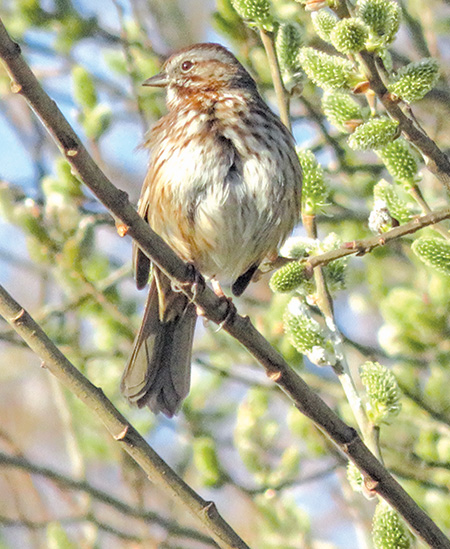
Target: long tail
[{"x": 159, "y": 370}]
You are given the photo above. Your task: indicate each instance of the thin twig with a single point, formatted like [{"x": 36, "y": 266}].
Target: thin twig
[
  {"x": 70, "y": 483},
  {"x": 130, "y": 64},
  {"x": 341, "y": 368},
  {"x": 416, "y": 193},
  {"x": 7, "y": 522},
  {"x": 280, "y": 92},
  {"x": 361, "y": 247},
  {"x": 435, "y": 159}
]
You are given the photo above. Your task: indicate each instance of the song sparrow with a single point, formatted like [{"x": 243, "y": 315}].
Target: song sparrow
[{"x": 223, "y": 189}]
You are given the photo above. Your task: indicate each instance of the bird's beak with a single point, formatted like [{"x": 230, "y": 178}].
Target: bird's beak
[{"x": 158, "y": 81}]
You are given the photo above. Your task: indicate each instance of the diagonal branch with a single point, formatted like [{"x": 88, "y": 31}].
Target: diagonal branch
[
  {"x": 377, "y": 477},
  {"x": 121, "y": 430},
  {"x": 435, "y": 159}
]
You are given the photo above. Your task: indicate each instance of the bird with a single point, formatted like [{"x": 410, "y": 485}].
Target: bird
[{"x": 223, "y": 189}]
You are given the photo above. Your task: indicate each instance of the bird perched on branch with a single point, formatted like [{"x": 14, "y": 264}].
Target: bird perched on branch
[{"x": 223, "y": 189}]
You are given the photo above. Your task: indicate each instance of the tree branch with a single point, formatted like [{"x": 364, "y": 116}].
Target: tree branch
[
  {"x": 361, "y": 247},
  {"x": 121, "y": 430},
  {"x": 377, "y": 477},
  {"x": 280, "y": 92},
  {"x": 436, "y": 160}
]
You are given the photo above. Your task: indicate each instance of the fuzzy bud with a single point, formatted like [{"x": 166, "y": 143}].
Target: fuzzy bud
[
  {"x": 349, "y": 35},
  {"x": 306, "y": 334},
  {"x": 96, "y": 121},
  {"x": 324, "y": 22},
  {"x": 354, "y": 477},
  {"x": 386, "y": 58},
  {"x": 315, "y": 190},
  {"x": 328, "y": 71},
  {"x": 393, "y": 24},
  {"x": 374, "y": 134},
  {"x": 434, "y": 252},
  {"x": 399, "y": 161},
  {"x": 398, "y": 209},
  {"x": 415, "y": 80},
  {"x": 383, "y": 392},
  {"x": 340, "y": 109},
  {"x": 288, "y": 278},
  {"x": 258, "y": 12},
  {"x": 380, "y": 219},
  {"x": 335, "y": 271},
  {"x": 299, "y": 247},
  {"x": 389, "y": 530},
  {"x": 382, "y": 17},
  {"x": 288, "y": 41},
  {"x": 287, "y": 44}
]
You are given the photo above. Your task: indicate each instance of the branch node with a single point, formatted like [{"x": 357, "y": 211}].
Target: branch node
[
  {"x": 43, "y": 365},
  {"x": 15, "y": 87},
  {"x": 362, "y": 87},
  {"x": 371, "y": 485},
  {"x": 275, "y": 376},
  {"x": 121, "y": 198},
  {"x": 18, "y": 317},
  {"x": 362, "y": 250},
  {"x": 391, "y": 98},
  {"x": 122, "y": 228},
  {"x": 351, "y": 441},
  {"x": 72, "y": 152},
  {"x": 350, "y": 245},
  {"x": 122, "y": 435},
  {"x": 210, "y": 509},
  {"x": 309, "y": 270},
  {"x": 230, "y": 312},
  {"x": 11, "y": 50}
]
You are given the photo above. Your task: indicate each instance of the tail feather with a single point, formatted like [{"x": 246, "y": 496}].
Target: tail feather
[{"x": 158, "y": 371}]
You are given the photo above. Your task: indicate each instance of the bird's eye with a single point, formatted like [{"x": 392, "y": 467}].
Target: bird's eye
[{"x": 186, "y": 66}]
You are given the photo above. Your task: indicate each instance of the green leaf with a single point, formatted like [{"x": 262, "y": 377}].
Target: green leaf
[
  {"x": 57, "y": 537},
  {"x": 97, "y": 121},
  {"x": 206, "y": 460}
]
